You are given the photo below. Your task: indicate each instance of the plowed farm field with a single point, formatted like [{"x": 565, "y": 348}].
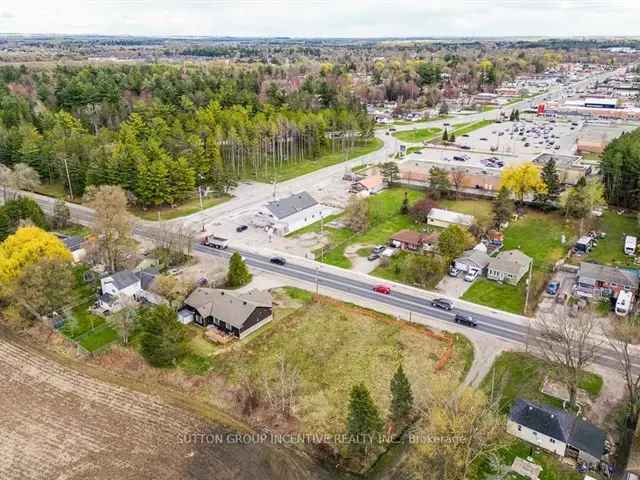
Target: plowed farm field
[{"x": 58, "y": 423}]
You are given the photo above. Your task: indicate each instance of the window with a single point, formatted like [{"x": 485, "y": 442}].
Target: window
[{"x": 552, "y": 440}]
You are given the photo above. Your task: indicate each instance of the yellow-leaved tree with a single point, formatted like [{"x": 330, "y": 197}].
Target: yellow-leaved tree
[
  {"x": 522, "y": 180},
  {"x": 26, "y": 247}
]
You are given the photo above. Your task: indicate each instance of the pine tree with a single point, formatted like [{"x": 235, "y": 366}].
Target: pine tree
[
  {"x": 503, "y": 207},
  {"x": 364, "y": 422},
  {"x": 401, "y": 396},
  {"x": 238, "y": 274},
  {"x": 404, "y": 210},
  {"x": 445, "y": 135},
  {"x": 452, "y": 138},
  {"x": 551, "y": 181}
]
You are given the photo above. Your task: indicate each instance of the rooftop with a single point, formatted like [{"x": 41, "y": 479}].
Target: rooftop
[
  {"x": 286, "y": 207},
  {"x": 231, "y": 307}
]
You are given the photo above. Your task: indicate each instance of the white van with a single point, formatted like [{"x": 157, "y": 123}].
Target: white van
[
  {"x": 630, "y": 244},
  {"x": 623, "y": 304}
]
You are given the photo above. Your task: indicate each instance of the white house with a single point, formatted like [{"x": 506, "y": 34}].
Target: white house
[
  {"x": 509, "y": 267},
  {"x": 444, "y": 218},
  {"x": 294, "y": 212},
  {"x": 127, "y": 284},
  {"x": 556, "y": 431}
]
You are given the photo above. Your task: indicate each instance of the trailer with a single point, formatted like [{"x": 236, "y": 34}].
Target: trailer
[
  {"x": 630, "y": 244},
  {"x": 215, "y": 242},
  {"x": 624, "y": 303}
]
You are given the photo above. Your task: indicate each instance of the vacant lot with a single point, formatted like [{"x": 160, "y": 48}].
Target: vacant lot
[
  {"x": 336, "y": 345},
  {"x": 56, "y": 422},
  {"x": 417, "y": 135},
  {"x": 610, "y": 251}
]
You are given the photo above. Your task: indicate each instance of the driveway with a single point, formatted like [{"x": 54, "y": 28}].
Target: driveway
[{"x": 453, "y": 286}]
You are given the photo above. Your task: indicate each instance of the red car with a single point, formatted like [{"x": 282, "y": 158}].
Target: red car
[{"x": 382, "y": 289}]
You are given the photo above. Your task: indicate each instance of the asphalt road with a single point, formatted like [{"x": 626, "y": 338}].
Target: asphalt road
[{"x": 490, "y": 325}]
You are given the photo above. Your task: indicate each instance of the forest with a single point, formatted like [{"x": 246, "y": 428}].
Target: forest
[
  {"x": 621, "y": 170},
  {"x": 160, "y": 131}
]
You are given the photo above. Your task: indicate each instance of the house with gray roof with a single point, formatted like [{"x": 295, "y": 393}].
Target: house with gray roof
[
  {"x": 115, "y": 288},
  {"x": 472, "y": 260},
  {"x": 440, "y": 217},
  {"x": 292, "y": 213},
  {"x": 556, "y": 431},
  {"x": 509, "y": 266},
  {"x": 596, "y": 280},
  {"x": 236, "y": 314}
]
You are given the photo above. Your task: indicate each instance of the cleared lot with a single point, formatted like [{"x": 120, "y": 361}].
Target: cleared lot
[{"x": 58, "y": 423}]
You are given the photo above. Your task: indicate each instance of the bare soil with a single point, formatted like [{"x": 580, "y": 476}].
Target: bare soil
[{"x": 57, "y": 422}]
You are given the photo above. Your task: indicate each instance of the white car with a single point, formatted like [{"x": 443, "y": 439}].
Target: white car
[{"x": 471, "y": 276}]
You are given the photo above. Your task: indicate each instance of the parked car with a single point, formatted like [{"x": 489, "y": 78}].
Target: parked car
[
  {"x": 278, "y": 261},
  {"x": 454, "y": 272},
  {"x": 471, "y": 276},
  {"x": 442, "y": 303},
  {"x": 373, "y": 256},
  {"x": 465, "y": 147},
  {"x": 467, "y": 320},
  {"x": 241, "y": 228},
  {"x": 382, "y": 289},
  {"x": 378, "y": 249},
  {"x": 553, "y": 288}
]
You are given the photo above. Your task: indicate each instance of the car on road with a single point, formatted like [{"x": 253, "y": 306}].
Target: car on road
[
  {"x": 484, "y": 139},
  {"x": 464, "y": 319},
  {"x": 278, "y": 260},
  {"x": 471, "y": 276},
  {"x": 458, "y": 158},
  {"x": 465, "y": 147},
  {"x": 241, "y": 228},
  {"x": 382, "y": 289},
  {"x": 553, "y": 287},
  {"x": 527, "y": 144},
  {"x": 442, "y": 303},
  {"x": 373, "y": 256}
]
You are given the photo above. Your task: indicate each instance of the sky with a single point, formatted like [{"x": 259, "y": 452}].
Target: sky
[{"x": 324, "y": 18}]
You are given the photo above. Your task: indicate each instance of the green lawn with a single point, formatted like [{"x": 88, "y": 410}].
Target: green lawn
[
  {"x": 520, "y": 375},
  {"x": 610, "y": 251},
  {"x": 495, "y": 295},
  {"x": 385, "y": 220},
  {"x": 55, "y": 190},
  {"x": 482, "y": 210},
  {"x": 187, "y": 208},
  {"x": 294, "y": 170},
  {"x": 417, "y": 135},
  {"x": 470, "y": 127}
]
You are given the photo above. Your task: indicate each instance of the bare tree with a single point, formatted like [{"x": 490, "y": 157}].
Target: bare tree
[
  {"x": 282, "y": 390},
  {"x": 26, "y": 178},
  {"x": 622, "y": 338},
  {"x": 113, "y": 225},
  {"x": 566, "y": 339},
  {"x": 125, "y": 320},
  {"x": 356, "y": 215},
  {"x": 457, "y": 179},
  {"x": 8, "y": 182}
]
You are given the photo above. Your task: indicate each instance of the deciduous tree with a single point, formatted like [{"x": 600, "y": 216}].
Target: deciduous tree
[{"x": 523, "y": 180}]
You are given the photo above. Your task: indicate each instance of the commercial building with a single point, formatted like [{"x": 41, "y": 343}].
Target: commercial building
[{"x": 293, "y": 213}]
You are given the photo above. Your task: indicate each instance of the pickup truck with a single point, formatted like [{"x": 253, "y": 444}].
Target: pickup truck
[{"x": 215, "y": 242}]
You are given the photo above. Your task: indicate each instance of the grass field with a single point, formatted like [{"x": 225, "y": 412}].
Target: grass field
[
  {"x": 385, "y": 220},
  {"x": 294, "y": 170},
  {"x": 417, "y": 135},
  {"x": 187, "y": 208},
  {"x": 520, "y": 375},
  {"x": 334, "y": 346},
  {"x": 482, "y": 210},
  {"x": 495, "y": 295},
  {"x": 610, "y": 251},
  {"x": 470, "y": 127}
]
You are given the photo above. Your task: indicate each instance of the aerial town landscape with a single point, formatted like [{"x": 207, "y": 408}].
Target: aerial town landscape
[{"x": 311, "y": 251}]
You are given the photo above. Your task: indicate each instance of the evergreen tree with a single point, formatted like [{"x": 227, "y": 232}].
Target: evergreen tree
[
  {"x": 452, "y": 138},
  {"x": 364, "y": 422},
  {"x": 404, "y": 209},
  {"x": 238, "y": 274},
  {"x": 445, "y": 135},
  {"x": 503, "y": 207},
  {"x": 401, "y": 396},
  {"x": 551, "y": 180},
  {"x": 163, "y": 337},
  {"x": 390, "y": 172}
]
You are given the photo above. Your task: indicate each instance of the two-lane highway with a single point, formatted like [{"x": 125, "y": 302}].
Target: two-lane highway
[{"x": 419, "y": 303}]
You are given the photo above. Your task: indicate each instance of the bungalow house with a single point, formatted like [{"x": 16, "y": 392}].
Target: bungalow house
[
  {"x": 236, "y": 314},
  {"x": 127, "y": 284},
  {"x": 472, "y": 260},
  {"x": 556, "y": 431},
  {"x": 439, "y": 217},
  {"x": 603, "y": 281},
  {"x": 413, "y": 241},
  {"x": 369, "y": 185},
  {"x": 294, "y": 212},
  {"x": 509, "y": 267}
]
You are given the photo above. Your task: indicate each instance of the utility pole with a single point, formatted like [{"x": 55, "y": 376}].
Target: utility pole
[
  {"x": 317, "y": 280},
  {"x": 66, "y": 167}
]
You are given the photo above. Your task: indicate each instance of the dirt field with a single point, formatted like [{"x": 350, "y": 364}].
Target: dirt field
[{"x": 58, "y": 423}]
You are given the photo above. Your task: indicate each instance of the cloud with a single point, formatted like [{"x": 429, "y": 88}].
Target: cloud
[{"x": 327, "y": 18}]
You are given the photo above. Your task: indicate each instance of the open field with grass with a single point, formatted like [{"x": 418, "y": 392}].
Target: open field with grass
[
  {"x": 497, "y": 295},
  {"x": 385, "y": 220},
  {"x": 482, "y": 210},
  {"x": 293, "y": 170},
  {"x": 610, "y": 251},
  {"x": 187, "y": 208},
  {"x": 470, "y": 127},
  {"x": 521, "y": 375},
  {"x": 417, "y": 135},
  {"x": 334, "y": 346}
]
